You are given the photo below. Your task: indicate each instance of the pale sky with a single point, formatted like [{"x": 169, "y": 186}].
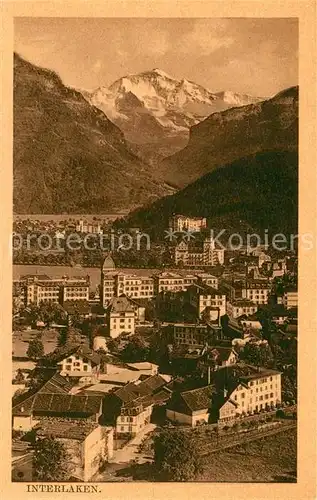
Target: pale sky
[{"x": 248, "y": 55}]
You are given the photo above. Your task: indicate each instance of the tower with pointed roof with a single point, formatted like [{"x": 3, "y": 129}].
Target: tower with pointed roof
[{"x": 107, "y": 264}]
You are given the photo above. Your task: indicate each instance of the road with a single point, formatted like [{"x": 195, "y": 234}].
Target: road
[
  {"x": 130, "y": 451},
  {"x": 124, "y": 456}
]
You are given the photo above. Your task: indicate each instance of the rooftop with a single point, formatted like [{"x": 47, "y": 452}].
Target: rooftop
[
  {"x": 59, "y": 403},
  {"x": 199, "y": 399},
  {"x": 66, "y": 428},
  {"x": 120, "y": 305}
]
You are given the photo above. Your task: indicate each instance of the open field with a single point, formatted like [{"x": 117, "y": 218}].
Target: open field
[{"x": 272, "y": 459}]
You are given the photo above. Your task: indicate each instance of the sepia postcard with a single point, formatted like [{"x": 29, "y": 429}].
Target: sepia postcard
[{"x": 158, "y": 249}]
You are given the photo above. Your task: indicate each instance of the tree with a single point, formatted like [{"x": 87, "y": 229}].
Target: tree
[
  {"x": 35, "y": 349},
  {"x": 50, "y": 460},
  {"x": 258, "y": 355},
  {"x": 73, "y": 336},
  {"x": 177, "y": 455},
  {"x": 52, "y": 312},
  {"x": 33, "y": 314},
  {"x": 113, "y": 345},
  {"x": 19, "y": 377},
  {"x": 136, "y": 350}
]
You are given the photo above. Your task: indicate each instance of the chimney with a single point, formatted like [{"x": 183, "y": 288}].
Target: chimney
[
  {"x": 209, "y": 375},
  {"x": 225, "y": 392}
]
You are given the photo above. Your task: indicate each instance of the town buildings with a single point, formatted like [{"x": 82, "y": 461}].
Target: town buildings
[
  {"x": 88, "y": 227},
  {"x": 190, "y": 334},
  {"x": 183, "y": 223},
  {"x": 120, "y": 317},
  {"x": 289, "y": 299},
  {"x": 241, "y": 307},
  {"x": 207, "y": 300},
  {"x": 199, "y": 252},
  {"x": 36, "y": 289},
  {"x": 53, "y": 399},
  {"x": 191, "y": 407},
  {"x": 79, "y": 361},
  {"x": 236, "y": 390},
  {"x": 88, "y": 445},
  {"x": 254, "y": 290},
  {"x": 114, "y": 284},
  {"x": 131, "y": 406}
]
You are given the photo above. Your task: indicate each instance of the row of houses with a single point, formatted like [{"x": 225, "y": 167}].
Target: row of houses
[
  {"x": 87, "y": 421},
  {"x": 114, "y": 283},
  {"x": 35, "y": 289}
]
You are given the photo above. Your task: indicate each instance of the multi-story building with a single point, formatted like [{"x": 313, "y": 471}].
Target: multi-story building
[
  {"x": 198, "y": 253},
  {"x": 184, "y": 223},
  {"x": 131, "y": 406},
  {"x": 207, "y": 279},
  {"x": 89, "y": 445},
  {"x": 168, "y": 282},
  {"x": 79, "y": 359},
  {"x": 289, "y": 299},
  {"x": 251, "y": 388},
  {"x": 241, "y": 307},
  {"x": 135, "y": 287},
  {"x": 257, "y": 291},
  {"x": 89, "y": 228},
  {"x": 202, "y": 297},
  {"x": 120, "y": 316},
  {"x": 236, "y": 391},
  {"x": 37, "y": 288},
  {"x": 116, "y": 284},
  {"x": 254, "y": 290},
  {"x": 75, "y": 289},
  {"x": 190, "y": 334}
]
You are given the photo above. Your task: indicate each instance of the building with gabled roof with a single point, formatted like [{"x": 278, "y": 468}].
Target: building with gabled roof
[
  {"x": 130, "y": 407},
  {"x": 88, "y": 444},
  {"x": 191, "y": 407},
  {"x": 120, "y": 316}
]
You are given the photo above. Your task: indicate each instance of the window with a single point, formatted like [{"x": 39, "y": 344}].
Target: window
[
  {"x": 243, "y": 395},
  {"x": 122, "y": 428},
  {"x": 271, "y": 395}
]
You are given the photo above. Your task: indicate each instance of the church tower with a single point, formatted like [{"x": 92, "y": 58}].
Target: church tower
[{"x": 107, "y": 264}]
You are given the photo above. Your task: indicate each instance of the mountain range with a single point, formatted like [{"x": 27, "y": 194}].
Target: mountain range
[
  {"x": 252, "y": 193},
  {"x": 223, "y": 137},
  {"x": 68, "y": 156},
  {"x": 239, "y": 168},
  {"x": 155, "y": 110}
]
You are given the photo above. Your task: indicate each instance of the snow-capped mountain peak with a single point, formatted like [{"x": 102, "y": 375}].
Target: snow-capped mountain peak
[{"x": 153, "y": 106}]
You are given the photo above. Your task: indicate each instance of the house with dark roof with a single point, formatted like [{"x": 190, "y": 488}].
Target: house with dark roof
[
  {"x": 253, "y": 388},
  {"x": 130, "y": 407},
  {"x": 88, "y": 444},
  {"x": 53, "y": 398},
  {"x": 120, "y": 316},
  {"x": 191, "y": 407},
  {"x": 224, "y": 356},
  {"x": 78, "y": 362}
]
